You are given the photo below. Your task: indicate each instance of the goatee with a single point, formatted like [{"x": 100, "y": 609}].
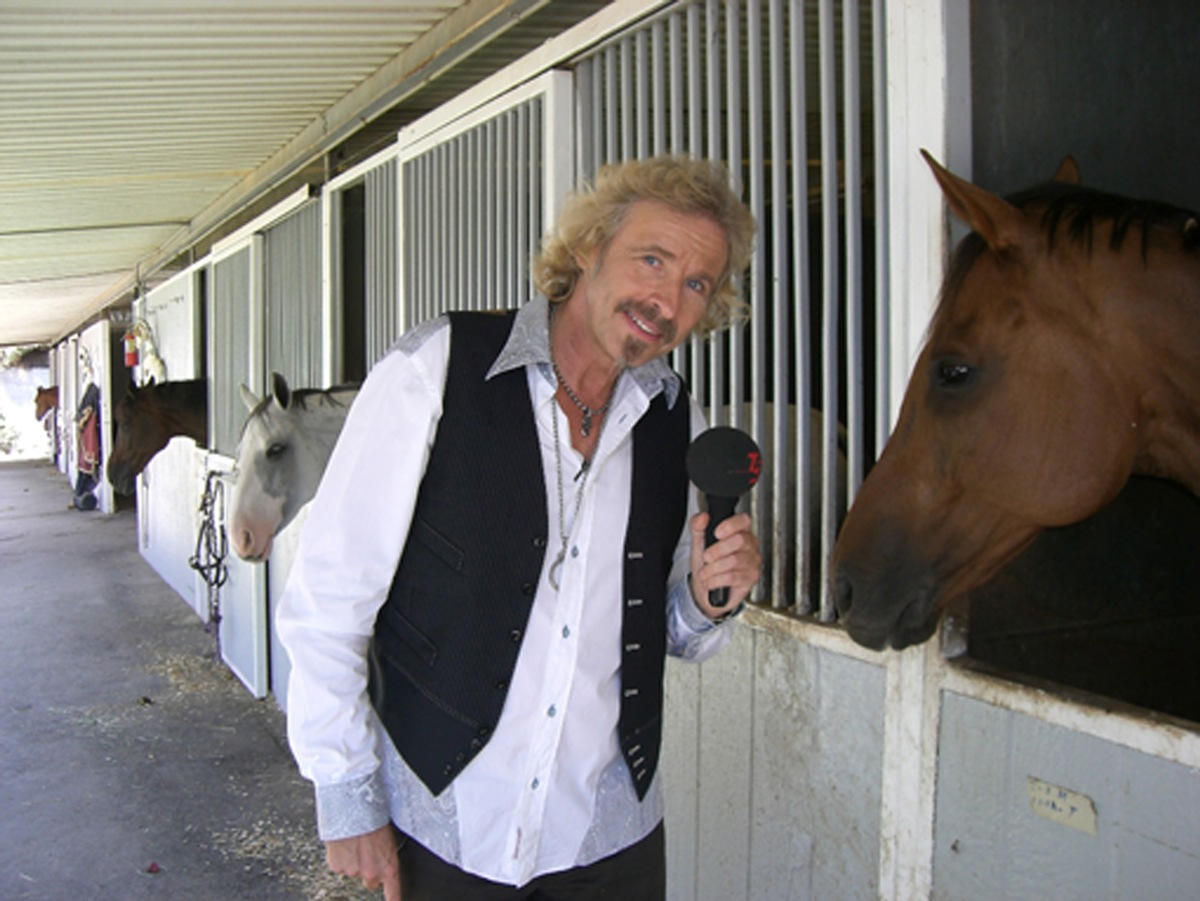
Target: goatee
[{"x": 634, "y": 349}]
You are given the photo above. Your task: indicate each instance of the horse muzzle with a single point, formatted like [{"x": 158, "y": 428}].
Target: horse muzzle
[{"x": 896, "y": 611}]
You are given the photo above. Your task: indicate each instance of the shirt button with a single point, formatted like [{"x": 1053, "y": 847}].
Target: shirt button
[
  {"x": 553, "y": 711},
  {"x": 566, "y": 633},
  {"x": 574, "y": 552},
  {"x": 535, "y": 783}
]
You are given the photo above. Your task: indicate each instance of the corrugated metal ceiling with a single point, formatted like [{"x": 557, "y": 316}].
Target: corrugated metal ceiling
[{"x": 127, "y": 126}]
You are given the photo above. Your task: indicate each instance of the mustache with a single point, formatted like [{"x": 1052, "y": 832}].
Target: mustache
[{"x": 650, "y": 316}]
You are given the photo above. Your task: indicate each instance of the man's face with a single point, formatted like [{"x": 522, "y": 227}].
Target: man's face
[{"x": 648, "y": 287}]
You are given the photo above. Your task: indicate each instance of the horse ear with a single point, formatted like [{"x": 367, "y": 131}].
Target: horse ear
[
  {"x": 248, "y": 397},
  {"x": 1068, "y": 171},
  {"x": 279, "y": 387},
  {"x": 997, "y": 221}
]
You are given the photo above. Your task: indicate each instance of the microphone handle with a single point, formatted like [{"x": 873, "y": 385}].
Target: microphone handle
[{"x": 719, "y": 510}]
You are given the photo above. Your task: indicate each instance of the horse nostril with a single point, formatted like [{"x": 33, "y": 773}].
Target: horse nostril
[
  {"x": 243, "y": 542},
  {"x": 843, "y": 598}
]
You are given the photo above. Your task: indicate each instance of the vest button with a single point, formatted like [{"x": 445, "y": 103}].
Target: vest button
[
  {"x": 501, "y": 685},
  {"x": 527, "y": 589},
  {"x": 514, "y": 636},
  {"x": 539, "y": 541}
]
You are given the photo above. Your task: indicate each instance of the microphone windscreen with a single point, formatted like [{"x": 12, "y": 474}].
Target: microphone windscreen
[{"x": 724, "y": 462}]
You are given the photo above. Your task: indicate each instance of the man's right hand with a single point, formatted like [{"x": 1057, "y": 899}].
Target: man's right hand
[{"x": 372, "y": 858}]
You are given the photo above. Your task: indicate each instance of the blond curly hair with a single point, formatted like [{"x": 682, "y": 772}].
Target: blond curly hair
[{"x": 593, "y": 214}]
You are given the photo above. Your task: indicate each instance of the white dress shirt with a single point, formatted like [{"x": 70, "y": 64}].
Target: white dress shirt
[{"x": 550, "y": 790}]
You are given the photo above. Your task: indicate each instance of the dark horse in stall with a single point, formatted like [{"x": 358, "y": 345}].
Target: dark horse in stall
[
  {"x": 147, "y": 418},
  {"x": 1063, "y": 358}
]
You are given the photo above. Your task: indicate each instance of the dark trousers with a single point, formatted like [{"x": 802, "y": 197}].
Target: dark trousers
[{"x": 639, "y": 873}]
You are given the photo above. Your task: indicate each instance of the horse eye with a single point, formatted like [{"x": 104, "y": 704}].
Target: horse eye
[
  {"x": 275, "y": 450},
  {"x": 951, "y": 373}
]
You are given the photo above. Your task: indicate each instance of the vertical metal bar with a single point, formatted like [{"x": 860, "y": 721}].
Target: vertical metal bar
[
  {"x": 781, "y": 518},
  {"x": 830, "y": 286},
  {"x": 599, "y": 112},
  {"x": 539, "y": 183},
  {"x": 521, "y": 205},
  {"x": 733, "y": 98},
  {"x": 611, "y": 107},
  {"x": 504, "y": 196},
  {"x": 658, "y": 89},
  {"x": 762, "y": 283},
  {"x": 882, "y": 215},
  {"x": 801, "y": 320},
  {"x": 696, "y": 54},
  {"x": 454, "y": 226},
  {"x": 641, "y": 94},
  {"x": 487, "y": 189},
  {"x": 676, "y": 141},
  {"x": 628, "y": 81},
  {"x": 587, "y": 110},
  {"x": 852, "y": 143},
  {"x": 716, "y": 345},
  {"x": 668, "y": 119}
]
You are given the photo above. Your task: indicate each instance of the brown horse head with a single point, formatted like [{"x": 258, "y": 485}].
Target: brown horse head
[
  {"x": 1061, "y": 359},
  {"x": 46, "y": 400},
  {"x": 147, "y": 418}
]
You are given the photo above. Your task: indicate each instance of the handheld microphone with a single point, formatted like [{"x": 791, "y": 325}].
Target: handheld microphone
[{"x": 724, "y": 463}]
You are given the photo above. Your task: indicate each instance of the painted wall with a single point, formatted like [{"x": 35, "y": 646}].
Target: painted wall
[{"x": 773, "y": 762}]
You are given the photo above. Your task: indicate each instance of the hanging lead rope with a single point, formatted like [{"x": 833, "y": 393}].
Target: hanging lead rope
[{"x": 209, "y": 559}]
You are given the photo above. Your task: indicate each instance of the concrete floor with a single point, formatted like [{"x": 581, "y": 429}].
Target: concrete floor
[{"x": 132, "y": 766}]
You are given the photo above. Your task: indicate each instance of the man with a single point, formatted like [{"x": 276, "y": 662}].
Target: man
[{"x": 499, "y": 555}]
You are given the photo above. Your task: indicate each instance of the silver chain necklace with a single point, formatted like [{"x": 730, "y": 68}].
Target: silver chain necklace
[
  {"x": 582, "y": 478},
  {"x": 585, "y": 427}
]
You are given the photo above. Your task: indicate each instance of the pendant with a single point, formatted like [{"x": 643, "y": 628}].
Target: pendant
[
  {"x": 585, "y": 426},
  {"x": 552, "y": 576}
]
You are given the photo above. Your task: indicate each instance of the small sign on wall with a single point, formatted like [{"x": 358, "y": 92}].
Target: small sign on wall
[{"x": 1061, "y": 805}]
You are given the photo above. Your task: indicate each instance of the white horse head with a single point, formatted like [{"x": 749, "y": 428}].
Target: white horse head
[{"x": 285, "y": 445}]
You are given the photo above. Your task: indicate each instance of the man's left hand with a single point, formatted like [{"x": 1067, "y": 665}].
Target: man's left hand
[{"x": 732, "y": 562}]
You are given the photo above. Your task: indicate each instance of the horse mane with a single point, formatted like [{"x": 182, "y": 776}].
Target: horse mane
[
  {"x": 300, "y": 397},
  {"x": 1074, "y": 210},
  {"x": 183, "y": 388}
]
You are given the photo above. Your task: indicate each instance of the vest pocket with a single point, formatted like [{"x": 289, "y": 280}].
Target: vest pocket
[
  {"x": 414, "y": 639},
  {"x": 437, "y": 543}
]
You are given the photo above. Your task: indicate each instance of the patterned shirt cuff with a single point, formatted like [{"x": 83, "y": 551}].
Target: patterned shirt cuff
[{"x": 352, "y": 808}]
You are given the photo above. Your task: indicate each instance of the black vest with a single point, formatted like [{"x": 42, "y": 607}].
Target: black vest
[{"x": 447, "y": 638}]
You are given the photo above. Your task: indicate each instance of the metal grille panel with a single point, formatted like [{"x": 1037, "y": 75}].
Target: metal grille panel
[
  {"x": 292, "y": 297},
  {"x": 230, "y": 349},
  {"x": 382, "y": 309},
  {"x": 471, "y": 216},
  {"x": 786, "y": 90}
]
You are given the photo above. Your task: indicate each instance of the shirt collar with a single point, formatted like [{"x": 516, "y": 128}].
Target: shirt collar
[{"x": 529, "y": 345}]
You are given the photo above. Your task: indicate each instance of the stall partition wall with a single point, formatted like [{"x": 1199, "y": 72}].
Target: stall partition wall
[
  {"x": 64, "y": 377},
  {"x": 170, "y": 488},
  {"x": 93, "y": 354},
  {"x": 266, "y": 314}
]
